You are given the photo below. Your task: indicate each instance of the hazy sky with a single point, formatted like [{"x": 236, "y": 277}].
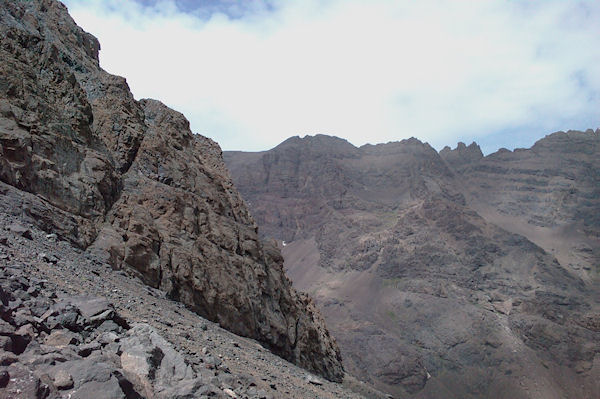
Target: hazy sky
[{"x": 249, "y": 74}]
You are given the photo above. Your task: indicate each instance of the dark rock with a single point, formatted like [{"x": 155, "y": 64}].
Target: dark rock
[
  {"x": 22, "y": 337},
  {"x": 7, "y": 358},
  {"x": 4, "y": 378},
  {"x": 86, "y": 349}
]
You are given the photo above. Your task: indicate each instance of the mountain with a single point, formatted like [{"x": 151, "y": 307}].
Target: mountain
[
  {"x": 426, "y": 265},
  {"x": 127, "y": 182},
  {"x": 549, "y": 193}
]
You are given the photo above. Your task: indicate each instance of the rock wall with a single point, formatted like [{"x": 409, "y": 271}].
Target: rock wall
[{"x": 128, "y": 180}]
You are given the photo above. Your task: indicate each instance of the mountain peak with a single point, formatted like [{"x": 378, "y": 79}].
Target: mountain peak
[{"x": 462, "y": 154}]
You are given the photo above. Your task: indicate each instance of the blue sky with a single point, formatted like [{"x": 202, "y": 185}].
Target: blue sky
[{"x": 249, "y": 74}]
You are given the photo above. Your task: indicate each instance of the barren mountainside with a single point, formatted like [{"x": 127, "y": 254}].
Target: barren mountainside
[
  {"x": 443, "y": 275},
  {"x": 127, "y": 181}
]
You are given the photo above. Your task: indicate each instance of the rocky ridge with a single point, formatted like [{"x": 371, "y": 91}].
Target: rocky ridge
[
  {"x": 427, "y": 295},
  {"x": 128, "y": 181}
]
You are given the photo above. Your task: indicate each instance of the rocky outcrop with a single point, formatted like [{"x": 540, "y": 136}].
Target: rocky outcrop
[
  {"x": 130, "y": 182},
  {"x": 427, "y": 296},
  {"x": 461, "y": 155}
]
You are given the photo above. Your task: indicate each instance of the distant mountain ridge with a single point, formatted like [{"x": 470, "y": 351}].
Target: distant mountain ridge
[{"x": 443, "y": 274}]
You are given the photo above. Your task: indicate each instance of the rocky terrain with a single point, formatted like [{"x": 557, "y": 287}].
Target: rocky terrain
[
  {"x": 127, "y": 182},
  {"x": 73, "y": 327},
  {"x": 550, "y": 193},
  {"x": 429, "y": 285}
]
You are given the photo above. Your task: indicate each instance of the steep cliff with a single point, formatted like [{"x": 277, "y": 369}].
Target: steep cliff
[{"x": 128, "y": 181}]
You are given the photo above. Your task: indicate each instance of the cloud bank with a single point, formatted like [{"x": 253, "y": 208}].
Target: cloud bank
[{"x": 251, "y": 74}]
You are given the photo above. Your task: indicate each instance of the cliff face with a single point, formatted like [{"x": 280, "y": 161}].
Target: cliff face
[
  {"x": 428, "y": 296},
  {"x": 129, "y": 182}
]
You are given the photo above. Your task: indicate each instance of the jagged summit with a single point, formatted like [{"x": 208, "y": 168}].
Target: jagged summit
[{"x": 462, "y": 154}]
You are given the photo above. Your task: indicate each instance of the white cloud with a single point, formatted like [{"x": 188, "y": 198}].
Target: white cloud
[{"x": 369, "y": 71}]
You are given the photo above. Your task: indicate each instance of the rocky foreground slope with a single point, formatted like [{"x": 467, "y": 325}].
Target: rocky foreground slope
[
  {"x": 428, "y": 295},
  {"x": 128, "y": 181},
  {"x": 71, "y": 326}
]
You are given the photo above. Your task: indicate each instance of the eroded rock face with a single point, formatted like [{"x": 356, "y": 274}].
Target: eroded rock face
[
  {"x": 550, "y": 193},
  {"x": 428, "y": 296},
  {"x": 129, "y": 180}
]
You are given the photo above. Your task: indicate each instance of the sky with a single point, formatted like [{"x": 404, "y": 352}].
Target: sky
[{"x": 250, "y": 74}]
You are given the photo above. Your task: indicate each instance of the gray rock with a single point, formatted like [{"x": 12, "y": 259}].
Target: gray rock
[
  {"x": 7, "y": 358},
  {"x": 6, "y": 343},
  {"x": 6, "y": 328},
  {"x": 62, "y": 338},
  {"x": 63, "y": 380},
  {"x": 109, "y": 389},
  {"x": 86, "y": 349},
  {"x": 20, "y": 230},
  {"x": 152, "y": 361}
]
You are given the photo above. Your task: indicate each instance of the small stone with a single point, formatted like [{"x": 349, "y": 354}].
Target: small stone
[
  {"x": 107, "y": 314},
  {"x": 230, "y": 393},
  {"x": 313, "y": 380},
  {"x": 51, "y": 237},
  {"x": 63, "y": 380},
  {"x": 108, "y": 337},
  {"x": 4, "y": 378}
]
